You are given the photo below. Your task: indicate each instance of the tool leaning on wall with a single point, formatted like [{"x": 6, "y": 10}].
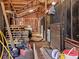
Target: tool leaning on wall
[{"x": 4, "y": 47}]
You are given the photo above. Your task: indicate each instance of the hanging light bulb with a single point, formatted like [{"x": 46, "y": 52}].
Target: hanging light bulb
[
  {"x": 53, "y": 3},
  {"x": 31, "y": 10},
  {"x": 20, "y": 23},
  {"x": 62, "y": 1}
]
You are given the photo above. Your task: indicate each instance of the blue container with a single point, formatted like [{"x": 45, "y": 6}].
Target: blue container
[{"x": 15, "y": 52}]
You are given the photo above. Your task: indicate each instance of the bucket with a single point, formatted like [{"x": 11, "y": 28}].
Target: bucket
[
  {"x": 71, "y": 54},
  {"x": 55, "y": 54},
  {"x": 22, "y": 52},
  {"x": 15, "y": 52},
  {"x": 62, "y": 56}
]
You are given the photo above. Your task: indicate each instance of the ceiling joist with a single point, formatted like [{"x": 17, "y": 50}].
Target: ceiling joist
[
  {"x": 26, "y": 11},
  {"x": 16, "y": 3}
]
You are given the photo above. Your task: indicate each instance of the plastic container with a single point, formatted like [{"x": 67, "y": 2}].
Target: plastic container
[
  {"x": 71, "y": 54},
  {"x": 22, "y": 52},
  {"x": 15, "y": 52},
  {"x": 55, "y": 54},
  {"x": 62, "y": 56}
]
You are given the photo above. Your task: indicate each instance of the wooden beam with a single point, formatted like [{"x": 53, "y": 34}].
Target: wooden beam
[
  {"x": 26, "y": 11},
  {"x": 9, "y": 11},
  {"x": 2, "y": 23},
  {"x": 20, "y": 0},
  {"x": 17, "y": 3},
  {"x": 30, "y": 4},
  {"x": 35, "y": 52},
  {"x": 45, "y": 38},
  {"x": 16, "y": 7},
  {"x": 20, "y": 3},
  {"x": 45, "y": 6}
]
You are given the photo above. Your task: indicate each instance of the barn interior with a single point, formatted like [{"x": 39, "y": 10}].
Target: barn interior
[{"x": 37, "y": 29}]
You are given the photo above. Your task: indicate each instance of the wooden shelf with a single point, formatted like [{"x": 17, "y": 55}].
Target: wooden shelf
[{"x": 18, "y": 32}]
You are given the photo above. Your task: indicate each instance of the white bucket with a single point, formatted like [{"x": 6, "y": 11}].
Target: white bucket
[
  {"x": 71, "y": 54},
  {"x": 70, "y": 57}
]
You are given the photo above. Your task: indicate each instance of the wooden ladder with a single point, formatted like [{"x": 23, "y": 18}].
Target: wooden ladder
[{"x": 7, "y": 23}]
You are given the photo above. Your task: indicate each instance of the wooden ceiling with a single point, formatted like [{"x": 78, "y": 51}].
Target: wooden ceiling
[
  {"x": 17, "y": 4},
  {"x": 23, "y": 6}
]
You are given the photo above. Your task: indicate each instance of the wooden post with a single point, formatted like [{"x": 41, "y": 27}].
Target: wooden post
[
  {"x": 13, "y": 10},
  {"x": 7, "y": 24},
  {"x": 35, "y": 52},
  {"x": 1, "y": 20},
  {"x": 71, "y": 21},
  {"x": 45, "y": 21}
]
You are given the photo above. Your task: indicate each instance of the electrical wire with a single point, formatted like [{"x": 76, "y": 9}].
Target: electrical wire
[{"x": 7, "y": 49}]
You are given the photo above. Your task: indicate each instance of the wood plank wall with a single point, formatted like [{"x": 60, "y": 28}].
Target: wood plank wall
[
  {"x": 55, "y": 29},
  {"x": 55, "y": 36},
  {"x": 31, "y": 20},
  {"x": 68, "y": 43}
]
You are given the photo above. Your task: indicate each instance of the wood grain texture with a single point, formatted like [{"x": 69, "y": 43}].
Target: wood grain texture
[{"x": 55, "y": 36}]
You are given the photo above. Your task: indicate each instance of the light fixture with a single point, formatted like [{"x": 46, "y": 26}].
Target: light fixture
[
  {"x": 31, "y": 10},
  {"x": 47, "y": 11},
  {"x": 21, "y": 23},
  {"x": 8, "y": 11},
  {"x": 53, "y": 3},
  {"x": 62, "y": 1}
]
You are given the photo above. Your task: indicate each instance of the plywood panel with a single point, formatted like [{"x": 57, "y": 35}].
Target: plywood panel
[{"x": 55, "y": 36}]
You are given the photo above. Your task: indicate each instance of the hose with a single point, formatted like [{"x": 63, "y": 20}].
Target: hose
[
  {"x": 7, "y": 49},
  {"x": 5, "y": 41},
  {"x": 2, "y": 49},
  {"x": 2, "y": 46}
]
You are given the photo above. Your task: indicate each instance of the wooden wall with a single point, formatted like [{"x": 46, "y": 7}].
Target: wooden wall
[
  {"x": 62, "y": 16},
  {"x": 72, "y": 43},
  {"x": 56, "y": 29},
  {"x": 31, "y": 20},
  {"x": 55, "y": 36}
]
